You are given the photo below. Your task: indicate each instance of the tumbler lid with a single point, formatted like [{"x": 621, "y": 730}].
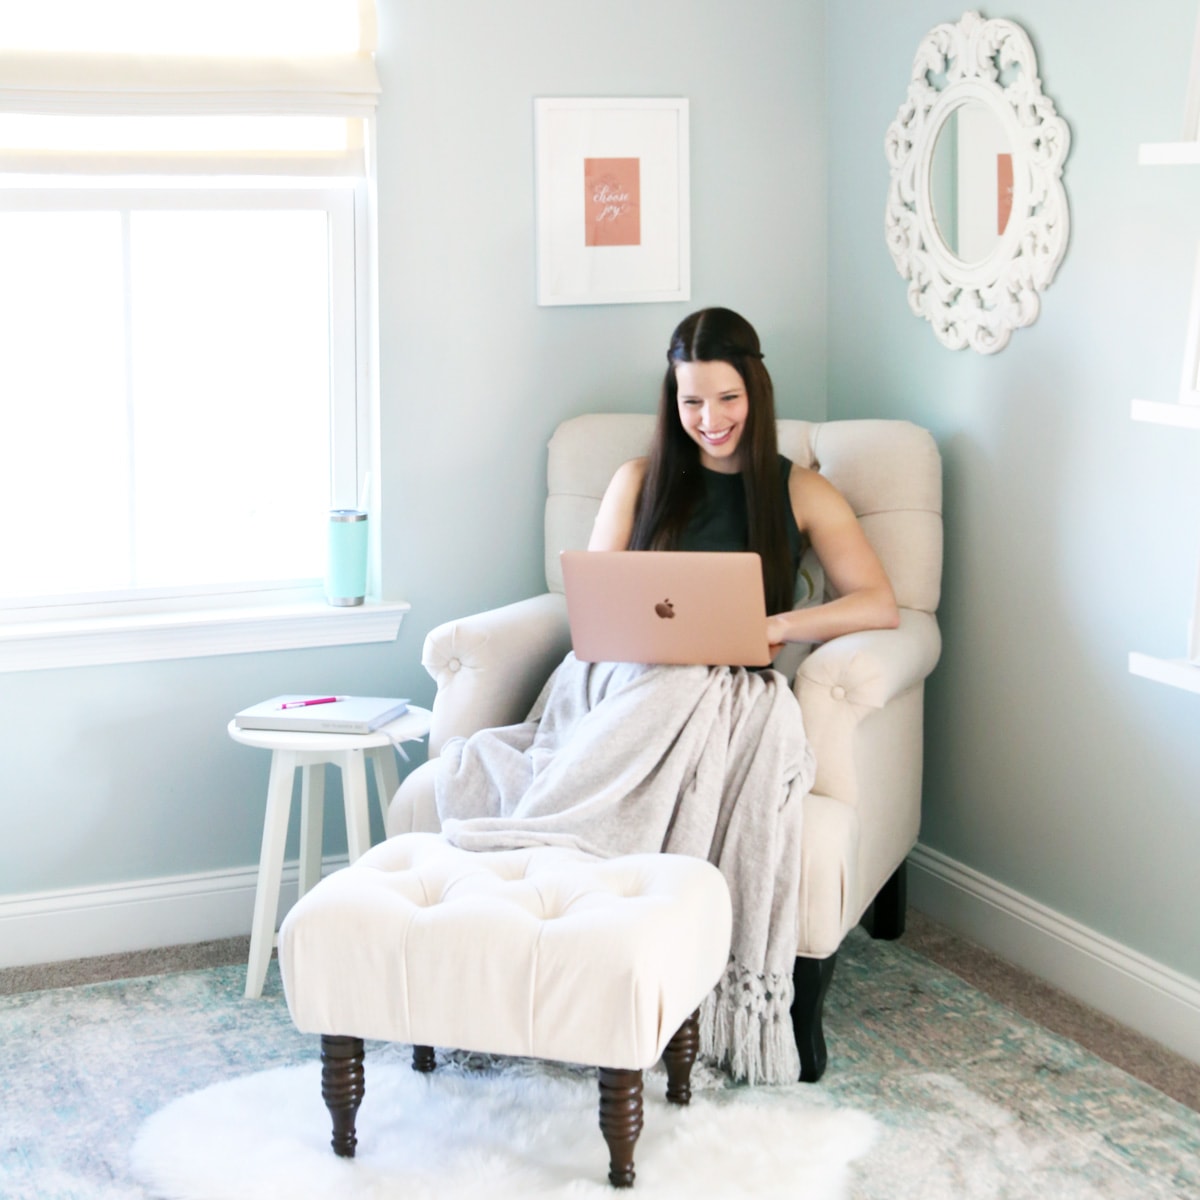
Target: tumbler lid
[{"x": 347, "y": 514}]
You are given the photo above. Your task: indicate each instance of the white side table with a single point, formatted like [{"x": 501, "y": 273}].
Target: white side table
[{"x": 310, "y": 752}]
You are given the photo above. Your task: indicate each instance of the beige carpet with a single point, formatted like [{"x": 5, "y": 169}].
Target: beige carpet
[{"x": 1142, "y": 1057}]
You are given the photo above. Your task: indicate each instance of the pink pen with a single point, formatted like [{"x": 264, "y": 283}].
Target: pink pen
[{"x": 307, "y": 703}]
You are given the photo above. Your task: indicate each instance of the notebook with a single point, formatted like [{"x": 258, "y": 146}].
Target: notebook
[
  {"x": 347, "y": 714},
  {"x": 666, "y": 606}
]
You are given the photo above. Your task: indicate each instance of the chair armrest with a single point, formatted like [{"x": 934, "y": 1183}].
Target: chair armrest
[
  {"x": 862, "y": 698},
  {"x": 870, "y": 668},
  {"x": 490, "y": 667}
]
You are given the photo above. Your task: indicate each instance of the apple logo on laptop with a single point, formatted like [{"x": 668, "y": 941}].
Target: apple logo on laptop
[{"x": 665, "y": 609}]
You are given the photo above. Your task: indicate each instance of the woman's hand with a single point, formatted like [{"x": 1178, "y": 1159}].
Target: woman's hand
[{"x": 777, "y": 631}]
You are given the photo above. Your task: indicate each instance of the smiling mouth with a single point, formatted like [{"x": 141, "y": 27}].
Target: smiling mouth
[{"x": 717, "y": 439}]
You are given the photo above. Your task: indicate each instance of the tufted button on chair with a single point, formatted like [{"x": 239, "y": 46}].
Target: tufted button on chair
[{"x": 862, "y": 695}]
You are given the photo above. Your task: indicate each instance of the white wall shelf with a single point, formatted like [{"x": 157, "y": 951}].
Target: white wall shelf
[
  {"x": 1177, "y": 672},
  {"x": 1154, "y": 154},
  {"x": 1184, "y": 416}
]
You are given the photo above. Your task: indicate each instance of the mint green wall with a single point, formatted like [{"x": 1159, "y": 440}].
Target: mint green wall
[
  {"x": 475, "y": 375},
  {"x": 1072, "y": 532},
  {"x": 122, "y": 773}
]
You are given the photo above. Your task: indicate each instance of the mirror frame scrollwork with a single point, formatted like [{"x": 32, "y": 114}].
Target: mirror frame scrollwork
[{"x": 978, "y": 304}]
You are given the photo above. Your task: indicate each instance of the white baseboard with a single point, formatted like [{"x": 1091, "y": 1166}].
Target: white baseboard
[
  {"x": 46, "y": 927},
  {"x": 1127, "y": 986}
]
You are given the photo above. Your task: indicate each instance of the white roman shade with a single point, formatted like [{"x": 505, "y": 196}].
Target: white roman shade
[{"x": 193, "y": 86}]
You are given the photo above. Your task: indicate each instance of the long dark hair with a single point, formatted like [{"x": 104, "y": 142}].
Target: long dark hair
[{"x": 673, "y": 482}]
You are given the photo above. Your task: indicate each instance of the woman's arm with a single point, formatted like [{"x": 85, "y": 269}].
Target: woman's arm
[
  {"x": 614, "y": 522},
  {"x": 865, "y": 597}
]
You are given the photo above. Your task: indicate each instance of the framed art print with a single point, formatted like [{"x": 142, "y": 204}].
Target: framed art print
[{"x": 612, "y": 200}]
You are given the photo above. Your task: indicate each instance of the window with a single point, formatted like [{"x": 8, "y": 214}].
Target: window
[
  {"x": 172, "y": 416},
  {"x": 184, "y": 315}
]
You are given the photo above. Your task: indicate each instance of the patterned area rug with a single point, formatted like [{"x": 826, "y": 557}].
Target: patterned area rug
[{"x": 967, "y": 1099}]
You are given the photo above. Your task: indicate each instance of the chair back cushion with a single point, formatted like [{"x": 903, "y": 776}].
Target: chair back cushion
[{"x": 889, "y": 471}]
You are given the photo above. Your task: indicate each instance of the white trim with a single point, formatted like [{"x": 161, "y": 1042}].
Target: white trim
[
  {"x": 46, "y": 927},
  {"x": 1147, "y": 996},
  {"x": 147, "y": 637},
  {"x": 345, "y": 370}
]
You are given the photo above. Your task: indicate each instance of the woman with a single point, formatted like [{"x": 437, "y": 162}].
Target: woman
[
  {"x": 622, "y": 758},
  {"x": 716, "y": 423}
]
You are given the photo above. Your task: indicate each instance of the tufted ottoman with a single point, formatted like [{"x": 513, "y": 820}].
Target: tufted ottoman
[{"x": 544, "y": 953}]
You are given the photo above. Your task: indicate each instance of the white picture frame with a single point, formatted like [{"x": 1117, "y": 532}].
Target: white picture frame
[
  {"x": 613, "y": 212},
  {"x": 1189, "y": 380}
]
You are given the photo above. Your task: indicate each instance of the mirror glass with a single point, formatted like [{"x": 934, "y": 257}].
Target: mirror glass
[{"x": 971, "y": 182}]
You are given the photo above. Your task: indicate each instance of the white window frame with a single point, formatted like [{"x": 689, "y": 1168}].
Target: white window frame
[{"x": 202, "y": 621}]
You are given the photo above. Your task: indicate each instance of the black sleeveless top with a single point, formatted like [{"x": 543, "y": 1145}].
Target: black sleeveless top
[{"x": 720, "y": 522}]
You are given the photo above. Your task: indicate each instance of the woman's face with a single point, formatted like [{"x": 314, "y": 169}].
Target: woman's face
[{"x": 713, "y": 407}]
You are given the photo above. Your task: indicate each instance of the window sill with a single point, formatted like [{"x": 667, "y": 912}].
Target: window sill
[{"x": 149, "y": 637}]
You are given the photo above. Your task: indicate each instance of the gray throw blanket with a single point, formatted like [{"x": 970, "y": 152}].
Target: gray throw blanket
[{"x": 617, "y": 758}]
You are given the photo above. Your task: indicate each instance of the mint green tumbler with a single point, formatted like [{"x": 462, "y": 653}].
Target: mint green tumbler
[{"x": 346, "y": 562}]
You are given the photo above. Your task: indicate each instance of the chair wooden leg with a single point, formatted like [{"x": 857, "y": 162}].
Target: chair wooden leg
[
  {"x": 680, "y": 1056},
  {"x": 620, "y": 1121},
  {"x": 811, "y": 977},
  {"x": 884, "y": 919},
  {"x": 342, "y": 1087},
  {"x": 424, "y": 1059}
]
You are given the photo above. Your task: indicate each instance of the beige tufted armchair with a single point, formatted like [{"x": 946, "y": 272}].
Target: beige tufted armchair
[{"x": 862, "y": 695}]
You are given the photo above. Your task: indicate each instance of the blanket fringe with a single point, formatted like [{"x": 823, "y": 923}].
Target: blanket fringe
[{"x": 746, "y": 1026}]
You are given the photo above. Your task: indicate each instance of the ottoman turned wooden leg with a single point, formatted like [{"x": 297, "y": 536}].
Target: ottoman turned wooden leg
[
  {"x": 424, "y": 1059},
  {"x": 620, "y": 1121},
  {"x": 342, "y": 1087},
  {"x": 680, "y": 1056}
]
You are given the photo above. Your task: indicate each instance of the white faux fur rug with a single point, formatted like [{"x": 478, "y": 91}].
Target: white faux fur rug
[{"x": 519, "y": 1129}]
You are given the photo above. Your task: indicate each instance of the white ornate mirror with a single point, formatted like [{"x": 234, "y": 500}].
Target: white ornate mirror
[{"x": 976, "y": 211}]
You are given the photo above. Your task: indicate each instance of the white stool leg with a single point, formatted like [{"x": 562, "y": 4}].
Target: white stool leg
[
  {"x": 354, "y": 793},
  {"x": 312, "y": 820},
  {"x": 270, "y": 869},
  {"x": 387, "y": 778}
]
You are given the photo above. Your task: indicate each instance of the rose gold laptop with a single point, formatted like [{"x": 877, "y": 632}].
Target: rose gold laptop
[{"x": 666, "y": 606}]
